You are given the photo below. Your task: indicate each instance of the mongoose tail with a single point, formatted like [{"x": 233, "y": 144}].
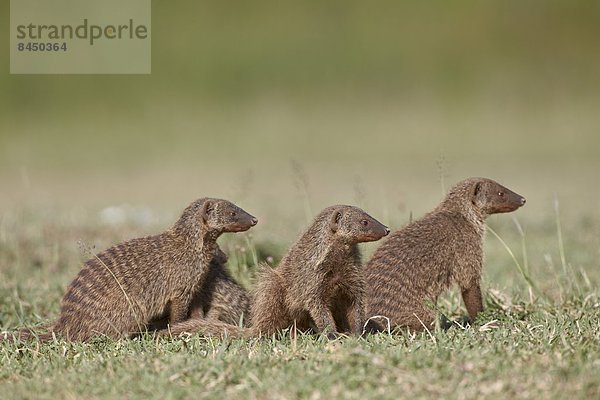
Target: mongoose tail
[{"x": 207, "y": 327}]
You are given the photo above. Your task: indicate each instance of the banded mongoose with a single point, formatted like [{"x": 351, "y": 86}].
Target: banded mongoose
[
  {"x": 220, "y": 298},
  {"x": 318, "y": 286},
  {"x": 420, "y": 261},
  {"x": 122, "y": 289}
]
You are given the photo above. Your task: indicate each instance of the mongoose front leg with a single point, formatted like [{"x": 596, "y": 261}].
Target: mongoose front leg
[
  {"x": 358, "y": 317},
  {"x": 472, "y": 298},
  {"x": 323, "y": 319},
  {"x": 179, "y": 311},
  {"x": 220, "y": 257},
  {"x": 197, "y": 312}
]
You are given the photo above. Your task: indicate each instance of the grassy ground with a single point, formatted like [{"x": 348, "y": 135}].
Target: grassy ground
[
  {"x": 532, "y": 352},
  {"x": 539, "y": 342}
]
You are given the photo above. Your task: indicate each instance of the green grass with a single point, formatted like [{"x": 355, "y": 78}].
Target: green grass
[
  {"x": 538, "y": 353},
  {"x": 527, "y": 344}
]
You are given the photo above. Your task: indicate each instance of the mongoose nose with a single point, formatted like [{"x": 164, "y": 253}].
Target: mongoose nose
[
  {"x": 387, "y": 231},
  {"x": 254, "y": 221},
  {"x": 523, "y": 200}
]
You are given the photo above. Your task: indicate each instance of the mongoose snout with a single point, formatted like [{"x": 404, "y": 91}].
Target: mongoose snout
[
  {"x": 227, "y": 216},
  {"x": 494, "y": 198},
  {"x": 374, "y": 230}
]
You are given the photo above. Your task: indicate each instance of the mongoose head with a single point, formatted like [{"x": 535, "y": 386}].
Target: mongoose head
[
  {"x": 353, "y": 225},
  {"x": 493, "y": 198},
  {"x": 216, "y": 215},
  {"x": 224, "y": 216},
  {"x": 485, "y": 196}
]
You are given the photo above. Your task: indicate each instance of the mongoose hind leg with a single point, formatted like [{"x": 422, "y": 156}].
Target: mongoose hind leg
[
  {"x": 357, "y": 316},
  {"x": 343, "y": 319},
  {"x": 415, "y": 317},
  {"x": 178, "y": 310},
  {"x": 473, "y": 301},
  {"x": 349, "y": 316},
  {"x": 373, "y": 326}
]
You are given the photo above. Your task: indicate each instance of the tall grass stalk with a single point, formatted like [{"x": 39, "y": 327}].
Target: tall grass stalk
[
  {"x": 385, "y": 211},
  {"x": 561, "y": 246},
  {"x": 301, "y": 181},
  {"x": 442, "y": 165},
  {"x": 524, "y": 273},
  {"x": 568, "y": 272},
  {"x": 252, "y": 249},
  {"x": 524, "y": 253}
]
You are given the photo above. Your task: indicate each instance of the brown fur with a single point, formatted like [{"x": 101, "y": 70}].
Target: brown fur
[
  {"x": 220, "y": 298},
  {"x": 318, "y": 285},
  {"x": 122, "y": 289},
  {"x": 420, "y": 261}
]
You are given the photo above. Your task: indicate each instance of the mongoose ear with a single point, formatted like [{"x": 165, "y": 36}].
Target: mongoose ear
[
  {"x": 335, "y": 220},
  {"x": 206, "y": 210},
  {"x": 476, "y": 191}
]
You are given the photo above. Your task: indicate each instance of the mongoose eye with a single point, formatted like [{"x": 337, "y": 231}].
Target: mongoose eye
[
  {"x": 233, "y": 214},
  {"x": 364, "y": 222},
  {"x": 501, "y": 194}
]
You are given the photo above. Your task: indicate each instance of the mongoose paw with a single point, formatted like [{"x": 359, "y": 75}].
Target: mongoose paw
[
  {"x": 332, "y": 335},
  {"x": 465, "y": 321},
  {"x": 445, "y": 323}
]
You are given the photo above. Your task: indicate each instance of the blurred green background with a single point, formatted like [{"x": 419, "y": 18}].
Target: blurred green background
[{"x": 287, "y": 107}]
